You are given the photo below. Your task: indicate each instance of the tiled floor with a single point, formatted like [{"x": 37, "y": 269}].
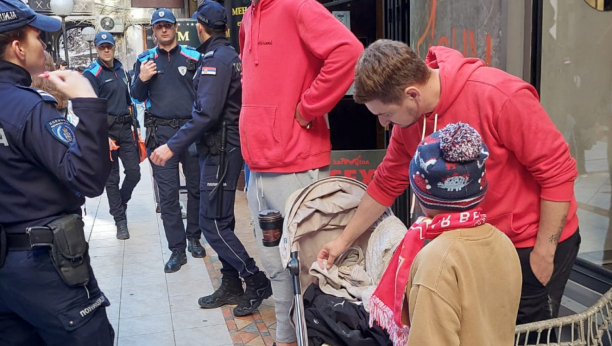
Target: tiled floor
[{"x": 149, "y": 307}]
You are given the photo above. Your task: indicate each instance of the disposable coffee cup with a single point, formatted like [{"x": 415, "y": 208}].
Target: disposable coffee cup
[{"x": 271, "y": 223}]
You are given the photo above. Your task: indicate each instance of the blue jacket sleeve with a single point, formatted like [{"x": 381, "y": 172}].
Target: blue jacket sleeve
[
  {"x": 84, "y": 165},
  {"x": 212, "y": 91},
  {"x": 139, "y": 89}
]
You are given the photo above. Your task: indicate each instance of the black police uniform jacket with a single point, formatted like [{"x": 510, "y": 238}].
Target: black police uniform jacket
[
  {"x": 48, "y": 165},
  {"x": 170, "y": 93},
  {"x": 218, "y": 95},
  {"x": 111, "y": 84}
]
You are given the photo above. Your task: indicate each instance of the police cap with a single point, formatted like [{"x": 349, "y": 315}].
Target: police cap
[
  {"x": 212, "y": 14},
  {"x": 14, "y": 14},
  {"x": 104, "y": 37},
  {"x": 163, "y": 15}
]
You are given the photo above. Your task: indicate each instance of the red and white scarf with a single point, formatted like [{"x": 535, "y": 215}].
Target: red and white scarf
[{"x": 388, "y": 299}]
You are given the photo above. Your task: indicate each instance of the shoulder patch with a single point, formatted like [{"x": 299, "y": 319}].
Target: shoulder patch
[
  {"x": 237, "y": 66},
  {"x": 209, "y": 71},
  {"x": 209, "y": 54},
  {"x": 62, "y": 130},
  {"x": 43, "y": 94}
]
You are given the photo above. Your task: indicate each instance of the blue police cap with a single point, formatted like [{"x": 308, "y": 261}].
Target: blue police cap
[
  {"x": 14, "y": 14},
  {"x": 163, "y": 15},
  {"x": 212, "y": 14},
  {"x": 104, "y": 37}
]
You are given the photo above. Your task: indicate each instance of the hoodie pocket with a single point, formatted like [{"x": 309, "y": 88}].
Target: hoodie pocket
[{"x": 260, "y": 134}]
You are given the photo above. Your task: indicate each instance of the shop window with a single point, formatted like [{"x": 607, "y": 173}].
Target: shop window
[{"x": 576, "y": 91}]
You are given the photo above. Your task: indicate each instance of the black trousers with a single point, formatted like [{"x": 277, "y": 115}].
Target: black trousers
[
  {"x": 128, "y": 153},
  {"x": 219, "y": 231},
  {"x": 539, "y": 302},
  {"x": 168, "y": 183},
  {"x": 38, "y": 309}
]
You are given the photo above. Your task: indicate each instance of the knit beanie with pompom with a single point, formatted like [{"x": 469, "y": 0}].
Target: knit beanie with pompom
[{"x": 448, "y": 169}]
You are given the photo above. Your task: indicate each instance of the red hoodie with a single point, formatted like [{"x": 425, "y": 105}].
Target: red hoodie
[
  {"x": 292, "y": 51},
  {"x": 529, "y": 159}
]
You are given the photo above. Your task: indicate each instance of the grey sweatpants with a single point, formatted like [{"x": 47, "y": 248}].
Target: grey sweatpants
[{"x": 271, "y": 191}]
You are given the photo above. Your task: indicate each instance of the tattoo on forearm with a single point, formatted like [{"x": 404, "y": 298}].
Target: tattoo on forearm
[{"x": 554, "y": 239}]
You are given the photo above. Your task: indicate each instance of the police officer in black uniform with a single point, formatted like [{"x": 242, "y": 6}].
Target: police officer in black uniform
[
  {"x": 218, "y": 103},
  {"x": 48, "y": 293},
  {"x": 164, "y": 81},
  {"x": 110, "y": 81}
]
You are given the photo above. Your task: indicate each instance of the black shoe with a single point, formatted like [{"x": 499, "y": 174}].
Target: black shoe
[
  {"x": 196, "y": 249},
  {"x": 229, "y": 293},
  {"x": 177, "y": 259},
  {"x": 122, "y": 230},
  {"x": 258, "y": 288}
]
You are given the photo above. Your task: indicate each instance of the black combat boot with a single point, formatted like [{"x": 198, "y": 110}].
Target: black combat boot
[
  {"x": 122, "y": 230},
  {"x": 177, "y": 259},
  {"x": 258, "y": 288},
  {"x": 229, "y": 293},
  {"x": 196, "y": 249}
]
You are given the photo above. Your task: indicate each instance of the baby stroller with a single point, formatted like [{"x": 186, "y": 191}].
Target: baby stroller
[{"x": 315, "y": 215}]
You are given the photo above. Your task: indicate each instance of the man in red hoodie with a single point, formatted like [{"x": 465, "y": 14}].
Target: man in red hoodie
[
  {"x": 531, "y": 173},
  {"x": 298, "y": 61}
]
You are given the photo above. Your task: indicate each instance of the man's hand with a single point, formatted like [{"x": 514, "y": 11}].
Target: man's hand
[
  {"x": 148, "y": 69},
  {"x": 542, "y": 266},
  {"x": 161, "y": 155},
  {"x": 330, "y": 251},
  {"x": 301, "y": 120},
  {"x": 71, "y": 83}
]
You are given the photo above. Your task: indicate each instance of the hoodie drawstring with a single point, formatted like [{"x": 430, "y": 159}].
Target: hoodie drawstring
[
  {"x": 413, "y": 199},
  {"x": 253, "y": 28}
]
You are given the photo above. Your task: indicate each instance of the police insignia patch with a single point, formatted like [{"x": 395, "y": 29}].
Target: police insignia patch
[
  {"x": 211, "y": 71},
  {"x": 62, "y": 130},
  {"x": 182, "y": 70},
  {"x": 161, "y": 14},
  {"x": 104, "y": 37}
]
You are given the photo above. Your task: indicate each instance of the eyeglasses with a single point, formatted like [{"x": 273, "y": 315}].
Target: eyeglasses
[
  {"x": 106, "y": 47},
  {"x": 165, "y": 25}
]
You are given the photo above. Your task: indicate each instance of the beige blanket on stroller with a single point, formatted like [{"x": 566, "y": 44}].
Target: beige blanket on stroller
[{"x": 354, "y": 276}]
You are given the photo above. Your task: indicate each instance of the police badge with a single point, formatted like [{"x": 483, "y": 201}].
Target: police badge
[
  {"x": 182, "y": 70},
  {"x": 161, "y": 13}
]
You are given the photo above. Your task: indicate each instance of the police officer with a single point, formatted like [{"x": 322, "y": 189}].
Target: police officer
[
  {"x": 110, "y": 81},
  {"x": 218, "y": 102},
  {"x": 48, "y": 294},
  {"x": 163, "y": 79}
]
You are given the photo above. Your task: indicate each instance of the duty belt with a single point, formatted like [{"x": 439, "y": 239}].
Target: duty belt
[
  {"x": 24, "y": 241},
  {"x": 174, "y": 123},
  {"x": 121, "y": 119}
]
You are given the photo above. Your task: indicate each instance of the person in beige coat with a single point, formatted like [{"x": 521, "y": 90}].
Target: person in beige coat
[{"x": 464, "y": 286}]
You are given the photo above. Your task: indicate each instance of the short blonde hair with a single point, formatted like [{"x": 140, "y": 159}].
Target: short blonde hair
[{"x": 385, "y": 69}]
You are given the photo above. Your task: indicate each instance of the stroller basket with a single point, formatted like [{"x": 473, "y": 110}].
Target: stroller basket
[{"x": 588, "y": 328}]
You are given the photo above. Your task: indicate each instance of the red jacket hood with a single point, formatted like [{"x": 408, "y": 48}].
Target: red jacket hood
[
  {"x": 457, "y": 71},
  {"x": 262, "y": 4}
]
